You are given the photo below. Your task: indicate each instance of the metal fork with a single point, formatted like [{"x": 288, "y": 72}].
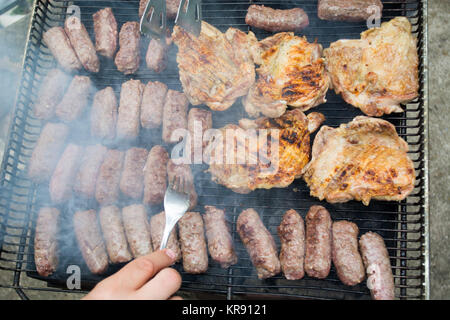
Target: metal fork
[{"x": 176, "y": 203}]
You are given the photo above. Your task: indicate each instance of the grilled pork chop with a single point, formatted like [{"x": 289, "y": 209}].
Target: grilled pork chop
[
  {"x": 378, "y": 72},
  {"x": 291, "y": 73},
  {"x": 364, "y": 159},
  {"x": 245, "y": 159},
  {"x": 215, "y": 68}
]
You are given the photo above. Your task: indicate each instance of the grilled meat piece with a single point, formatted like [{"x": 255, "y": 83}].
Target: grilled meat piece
[
  {"x": 183, "y": 170},
  {"x": 75, "y": 99},
  {"x": 50, "y": 94},
  {"x": 348, "y": 10},
  {"x": 59, "y": 44},
  {"x": 104, "y": 115},
  {"x": 47, "y": 151},
  {"x": 364, "y": 159},
  {"x": 155, "y": 178},
  {"x": 137, "y": 229},
  {"x": 156, "y": 56},
  {"x": 152, "y": 104},
  {"x": 292, "y": 73},
  {"x": 128, "y": 58},
  {"x": 108, "y": 179},
  {"x": 105, "y": 28},
  {"x": 81, "y": 43},
  {"x": 132, "y": 180},
  {"x": 378, "y": 72},
  {"x": 275, "y": 20},
  {"x": 380, "y": 280},
  {"x": 199, "y": 120},
  {"x": 46, "y": 242},
  {"x": 157, "y": 224},
  {"x": 128, "y": 125},
  {"x": 174, "y": 116},
  {"x": 245, "y": 160},
  {"x": 193, "y": 243},
  {"x": 215, "y": 68},
  {"x": 259, "y": 243}
]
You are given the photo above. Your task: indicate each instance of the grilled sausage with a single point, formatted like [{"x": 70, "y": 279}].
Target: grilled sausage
[
  {"x": 199, "y": 120},
  {"x": 104, "y": 115},
  {"x": 90, "y": 241},
  {"x": 157, "y": 224},
  {"x": 50, "y": 94},
  {"x": 193, "y": 244},
  {"x": 155, "y": 180},
  {"x": 152, "y": 104},
  {"x": 63, "y": 178},
  {"x": 346, "y": 258},
  {"x": 114, "y": 234},
  {"x": 132, "y": 180},
  {"x": 82, "y": 44},
  {"x": 75, "y": 100},
  {"x": 220, "y": 243},
  {"x": 46, "y": 242},
  {"x": 156, "y": 57},
  {"x": 380, "y": 280},
  {"x": 318, "y": 242},
  {"x": 275, "y": 20},
  {"x": 259, "y": 243},
  {"x": 292, "y": 254},
  {"x": 108, "y": 179},
  {"x": 47, "y": 151},
  {"x": 129, "y": 109},
  {"x": 171, "y": 8},
  {"x": 184, "y": 171},
  {"x": 86, "y": 179},
  {"x": 128, "y": 58},
  {"x": 105, "y": 29},
  {"x": 59, "y": 44},
  {"x": 174, "y": 116},
  {"x": 137, "y": 229},
  {"x": 349, "y": 10}
]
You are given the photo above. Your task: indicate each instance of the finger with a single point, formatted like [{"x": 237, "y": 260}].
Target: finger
[
  {"x": 139, "y": 271},
  {"x": 176, "y": 298},
  {"x": 161, "y": 287}
]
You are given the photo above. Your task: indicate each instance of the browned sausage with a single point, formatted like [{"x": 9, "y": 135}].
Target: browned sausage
[
  {"x": 114, "y": 234},
  {"x": 128, "y": 58},
  {"x": 318, "y": 242},
  {"x": 108, "y": 179},
  {"x": 105, "y": 28},
  {"x": 275, "y": 20},
  {"x": 132, "y": 180},
  {"x": 47, "y": 151},
  {"x": 155, "y": 180},
  {"x": 90, "y": 241},
  {"x": 90, "y": 166},
  {"x": 380, "y": 280},
  {"x": 199, "y": 120},
  {"x": 152, "y": 104},
  {"x": 346, "y": 258},
  {"x": 171, "y": 8},
  {"x": 82, "y": 44},
  {"x": 193, "y": 244},
  {"x": 349, "y": 10},
  {"x": 156, "y": 57},
  {"x": 220, "y": 243},
  {"x": 50, "y": 94},
  {"x": 104, "y": 115},
  {"x": 137, "y": 229},
  {"x": 129, "y": 109},
  {"x": 63, "y": 178},
  {"x": 174, "y": 116},
  {"x": 46, "y": 241},
  {"x": 75, "y": 100},
  {"x": 157, "y": 224},
  {"x": 59, "y": 44},
  {"x": 292, "y": 254},
  {"x": 259, "y": 243},
  {"x": 184, "y": 171}
]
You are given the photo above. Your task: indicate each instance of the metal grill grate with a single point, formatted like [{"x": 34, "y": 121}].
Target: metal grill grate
[{"x": 403, "y": 225}]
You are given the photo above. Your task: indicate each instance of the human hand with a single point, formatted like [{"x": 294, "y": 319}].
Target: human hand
[{"x": 145, "y": 278}]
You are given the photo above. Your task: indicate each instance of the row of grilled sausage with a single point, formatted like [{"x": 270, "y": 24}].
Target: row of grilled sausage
[
  {"x": 73, "y": 48},
  {"x": 309, "y": 249}
]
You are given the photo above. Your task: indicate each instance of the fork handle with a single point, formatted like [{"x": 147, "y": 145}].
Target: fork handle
[{"x": 167, "y": 229}]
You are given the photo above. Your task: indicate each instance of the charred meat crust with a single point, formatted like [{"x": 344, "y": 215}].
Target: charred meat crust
[{"x": 46, "y": 242}]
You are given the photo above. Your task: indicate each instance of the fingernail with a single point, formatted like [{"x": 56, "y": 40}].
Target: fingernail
[{"x": 170, "y": 254}]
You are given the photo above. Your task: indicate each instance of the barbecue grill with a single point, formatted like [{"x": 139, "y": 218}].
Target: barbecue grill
[{"x": 403, "y": 225}]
